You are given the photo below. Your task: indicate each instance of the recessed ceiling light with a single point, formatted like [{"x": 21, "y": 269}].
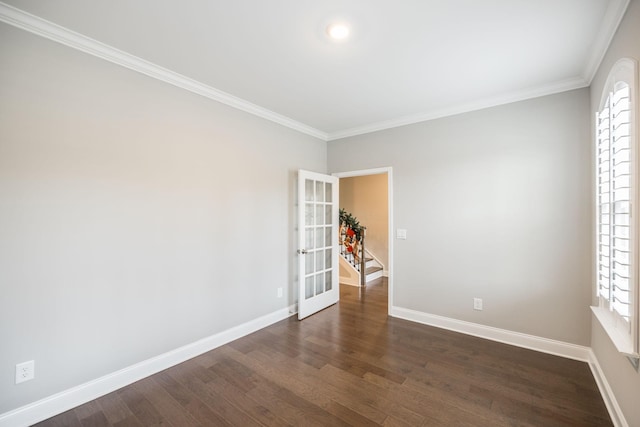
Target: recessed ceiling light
[{"x": 338, "y": 31}]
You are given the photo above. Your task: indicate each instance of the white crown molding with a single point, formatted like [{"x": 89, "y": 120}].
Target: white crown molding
[
  {"x": 57, "y": 33},
  {"x": 36, "y": 25},
  {"x": 522, "y": 95},
  {"x": 543, "y": 345},
  {"x": 615, "y": 412},
  {"x": 76, "y": 396},
  {"x": 610, "y": 23}
]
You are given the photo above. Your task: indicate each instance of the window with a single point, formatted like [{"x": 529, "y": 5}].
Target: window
[{"x": 616, "y": 187}]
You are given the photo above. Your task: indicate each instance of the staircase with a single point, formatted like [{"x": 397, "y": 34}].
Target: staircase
[
  {"x": 358, "y": 265},
  {"x": 372, "y": 268}
]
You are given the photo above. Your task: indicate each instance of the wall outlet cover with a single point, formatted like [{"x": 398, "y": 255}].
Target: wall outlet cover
[{"x": 25, "y": 371}]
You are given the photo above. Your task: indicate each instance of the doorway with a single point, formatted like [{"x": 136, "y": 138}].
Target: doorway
[{"x": 379, "y": 237}]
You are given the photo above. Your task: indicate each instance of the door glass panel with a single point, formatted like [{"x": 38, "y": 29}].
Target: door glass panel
[
  {"x": 327, "y": 258},
  {"x": 327, "y": 282},
  {"x": 319, "y": 237},
  {"x": 319, "y": 191},
  {"x": 308, "y": 238},
  {"x": 319, "y": 283},
  {"x": 328, "y": 191},
  {"x": 308, "y": 263},
  {"x": 328, "y": 218},
  {"x": 319, "y": 260},
  {"x": 308, "y": 214},
  {"x": 327, "y": 236},
  {"x": 319, "y": 214},
  {"x": 308, "y": 190},
  {"x": 308, "y": 285}
]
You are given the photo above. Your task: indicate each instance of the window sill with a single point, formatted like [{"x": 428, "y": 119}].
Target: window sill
[{"x": 621, "y": 340}]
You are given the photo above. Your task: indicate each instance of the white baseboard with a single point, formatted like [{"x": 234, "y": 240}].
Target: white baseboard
[
  {"x": 67, "y": 399},
  {"x": 544, "y": 345},
  {"x": 615, "y": 412},
  {"x": 293, "y": 309},
  {"x": 347, "y": 283},
  {"x": 351, "y": 281}
]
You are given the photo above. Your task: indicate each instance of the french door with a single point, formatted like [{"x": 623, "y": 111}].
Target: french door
[{"x": 317, "y": 242}]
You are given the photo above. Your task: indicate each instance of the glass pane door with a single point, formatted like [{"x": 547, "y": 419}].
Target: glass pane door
[{"x": 318, "y": 213}]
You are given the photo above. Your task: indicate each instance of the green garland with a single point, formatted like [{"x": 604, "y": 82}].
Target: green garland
[{"x": 351, "y": 222}]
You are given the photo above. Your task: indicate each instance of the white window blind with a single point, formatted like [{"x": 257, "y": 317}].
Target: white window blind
[
  {"x": 614, "y": 201},
  {"x": 616, "y": 186},
  {"x": 603, "y": 160}
]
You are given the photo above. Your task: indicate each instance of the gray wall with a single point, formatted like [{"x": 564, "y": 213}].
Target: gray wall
[
  {"x": 135, "y": 217},
  {"x": 623, "y": 379},
  {"x": 130, "y": 212},
  {"x": 497, "y": 204}
]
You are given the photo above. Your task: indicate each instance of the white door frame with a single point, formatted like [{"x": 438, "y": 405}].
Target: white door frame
[{"x": 389, "y": 172}]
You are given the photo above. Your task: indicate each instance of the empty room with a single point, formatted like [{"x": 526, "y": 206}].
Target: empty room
[{"x": 299, "y": 212}]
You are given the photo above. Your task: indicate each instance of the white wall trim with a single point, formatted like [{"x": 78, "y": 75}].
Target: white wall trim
[
  {"x": 293, "y": 309},
  {"x": 67, "y": 399},
  {"x": 544, "y": 345},
  {"x": 349, "y": 283},
  {"x": 480, "y": 104},
  {"x": 612, "y": 18},
  {"x": 615, "y": 412},
  {"x": 36, "y": 25},
  {"x": 532, "y": 342},
  {"x": 41, "y": 27}
]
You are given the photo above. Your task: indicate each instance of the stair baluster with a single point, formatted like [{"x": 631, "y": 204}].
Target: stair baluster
[{"x": 363, "y": 261}]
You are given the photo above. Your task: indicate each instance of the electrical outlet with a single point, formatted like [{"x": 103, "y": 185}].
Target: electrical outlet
[
  {"x": 477, "y": 303},
  {"x": 25, "y": 371},
  {"x": 280, "y": 292}
]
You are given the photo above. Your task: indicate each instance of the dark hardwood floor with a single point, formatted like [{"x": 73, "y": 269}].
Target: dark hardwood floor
[{"x": 352, "y": 365}]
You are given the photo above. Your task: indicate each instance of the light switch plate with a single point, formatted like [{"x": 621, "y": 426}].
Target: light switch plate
[{"x": 401, "y": 233}]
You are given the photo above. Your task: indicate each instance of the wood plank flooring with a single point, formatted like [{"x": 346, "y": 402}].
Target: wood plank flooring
[{"x": 352, "y": 365}]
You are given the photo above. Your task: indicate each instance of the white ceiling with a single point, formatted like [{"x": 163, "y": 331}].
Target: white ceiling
[{"x": 406, "y": 60}]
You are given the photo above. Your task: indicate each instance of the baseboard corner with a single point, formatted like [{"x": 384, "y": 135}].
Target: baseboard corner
[
  {"x": 544, "y": 345},
  {"x": 518, "y": 339},
  {"x": 615, "y": 412}
]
